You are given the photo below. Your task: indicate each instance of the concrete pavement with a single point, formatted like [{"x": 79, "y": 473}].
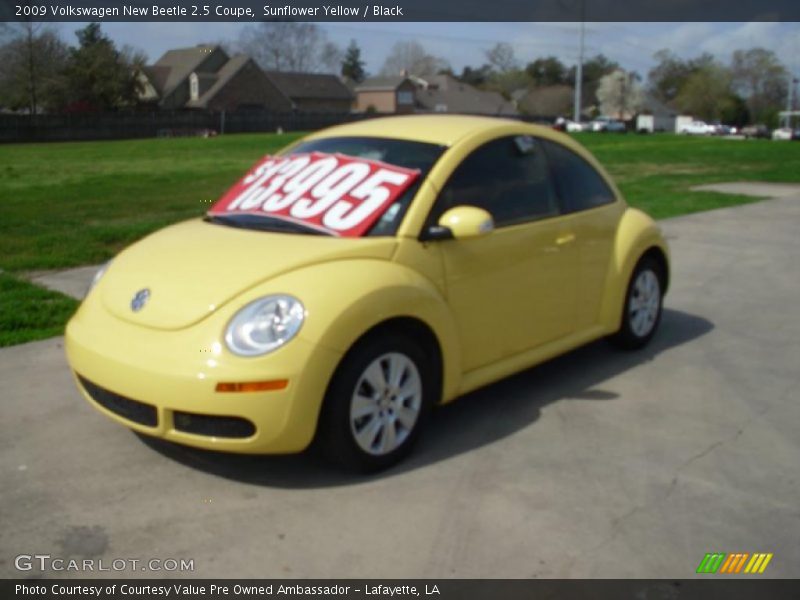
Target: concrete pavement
[
  {"x": 72, "y": 282},
  {"x": 597, "y": 464}
]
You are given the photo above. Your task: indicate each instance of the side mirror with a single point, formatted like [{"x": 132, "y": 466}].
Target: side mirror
[{"x": 466, "y": 222}]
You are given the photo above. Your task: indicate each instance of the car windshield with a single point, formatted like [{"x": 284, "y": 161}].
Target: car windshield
[
  {"x": 402, "y": 153},
  {"x": 411, "y": 155}
]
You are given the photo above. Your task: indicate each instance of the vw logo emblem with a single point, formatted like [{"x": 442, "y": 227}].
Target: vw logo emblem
[{"x": 140, "y": 299}]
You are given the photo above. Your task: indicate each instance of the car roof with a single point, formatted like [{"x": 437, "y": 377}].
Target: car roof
[{"x": 434, "y": 129}]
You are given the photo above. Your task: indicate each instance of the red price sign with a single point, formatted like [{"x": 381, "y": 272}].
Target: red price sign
[{"x": 338, "y": 194}]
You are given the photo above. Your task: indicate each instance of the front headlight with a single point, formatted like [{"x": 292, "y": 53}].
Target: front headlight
[
  {"x": 97, "y": 276},
  {"x": 264, "y": 325}
]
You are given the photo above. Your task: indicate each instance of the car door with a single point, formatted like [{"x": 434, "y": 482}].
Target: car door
[
  {"x": 513, "y": 289},
  {"x": 591, "y": 213}
]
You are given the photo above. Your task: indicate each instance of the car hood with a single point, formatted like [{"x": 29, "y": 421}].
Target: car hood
[{"x": 192, "y": 269}]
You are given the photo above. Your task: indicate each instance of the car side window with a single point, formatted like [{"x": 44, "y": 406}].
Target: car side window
[
  {"x": 507, "y": 177},
  {"x": 578, "y": 184}
]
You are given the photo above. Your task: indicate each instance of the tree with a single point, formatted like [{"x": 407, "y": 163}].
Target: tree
[
  {"x": 475, "y": 77},
  {"x": 411, "y": 58},
  {"x": 668, "y": 76},
  {"x": 620, "y": 94},
  {"x": 594, "y": 69},
  {"x": 508, "y": 82},
  {"x": 734, "y": 111},
  {"x": 707, "y": 93},
  {"x": 352, "y": 65},
  {"x": 99, "y": 76},
  {"x": 31, "y": 69},
  {"x": 291, "y": 46},
  {"x": 762, "y": 80},
  {"x": 501, "y": 57},
  {"x": 6, "y": 32},
  {"x": 547, "y": 71}
]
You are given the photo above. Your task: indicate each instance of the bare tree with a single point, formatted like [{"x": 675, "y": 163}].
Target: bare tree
[
  {"x": 620, "y": 94},
  {"x": 412, "y": 59},
  {"x": 6, "y": 32},
  {"x": 291, "y": 46},
  {"x": 501, "y": 57},
  {"x": 31, "y": 68}
]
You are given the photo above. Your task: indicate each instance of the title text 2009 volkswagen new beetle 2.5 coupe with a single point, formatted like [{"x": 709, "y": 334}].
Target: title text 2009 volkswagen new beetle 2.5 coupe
[{"x": 370, "y": 271}]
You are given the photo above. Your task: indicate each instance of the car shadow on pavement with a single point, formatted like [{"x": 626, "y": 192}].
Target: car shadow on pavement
[{"x": 474, "y": 420}]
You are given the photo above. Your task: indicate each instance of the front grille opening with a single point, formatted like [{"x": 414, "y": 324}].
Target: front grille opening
[
  {"x": 225, "y": 427},
  {"x": 132, "y": 410}
]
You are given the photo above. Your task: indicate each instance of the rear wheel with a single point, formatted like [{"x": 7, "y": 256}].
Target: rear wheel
[
  {"x": 377, "y": 403},
  {"x": 641, "y": 311}
]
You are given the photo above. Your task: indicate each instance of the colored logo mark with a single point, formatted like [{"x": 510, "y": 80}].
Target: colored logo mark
[{"x": 737, "y": 562}]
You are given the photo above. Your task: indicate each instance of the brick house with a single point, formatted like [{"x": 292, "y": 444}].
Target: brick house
[
  {"x": 207, "y": 77},
  {"x": 312, "y": 92},
  {"x": 436, "y": 93},
  {"x": 445, "y": 93},
  {"x": 386, "y": 95}
]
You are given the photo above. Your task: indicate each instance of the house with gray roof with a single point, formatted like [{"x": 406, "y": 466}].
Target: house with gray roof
[
  {"x": 206, "y": 77},
  {"x": 313, "y": 92},
  {"x": 445, "y": 93},
  {"x": 436, "y": 93},
  {"x": 386, "y": 95}
]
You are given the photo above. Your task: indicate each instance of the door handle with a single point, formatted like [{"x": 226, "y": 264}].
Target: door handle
[{"x": 565, "y": 239}]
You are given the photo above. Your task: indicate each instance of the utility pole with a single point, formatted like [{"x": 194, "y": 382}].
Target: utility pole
[
  {"x": 579, "y": 70},
  {"x": 790, "y": 100},
  {"x": 30, "y": 42}
]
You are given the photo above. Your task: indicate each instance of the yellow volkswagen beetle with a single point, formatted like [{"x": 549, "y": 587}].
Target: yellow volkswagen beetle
[{"x": 367, "y": 273}]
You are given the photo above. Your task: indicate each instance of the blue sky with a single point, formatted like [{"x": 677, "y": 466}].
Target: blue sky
[{"x": 630, "y": 44}]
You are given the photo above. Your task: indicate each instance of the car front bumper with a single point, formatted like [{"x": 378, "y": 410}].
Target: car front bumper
[{"x": 163, "y": 384}]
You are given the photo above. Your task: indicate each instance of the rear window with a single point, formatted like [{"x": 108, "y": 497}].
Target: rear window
[{"x": 579, "y": 185}]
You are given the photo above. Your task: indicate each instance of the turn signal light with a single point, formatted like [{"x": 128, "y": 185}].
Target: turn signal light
[{"x": 253, "y": 386}]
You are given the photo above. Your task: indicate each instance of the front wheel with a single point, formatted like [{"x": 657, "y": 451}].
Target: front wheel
[
  {"x": 376, "y": 404},
  {"x": 641, "y": 312}
]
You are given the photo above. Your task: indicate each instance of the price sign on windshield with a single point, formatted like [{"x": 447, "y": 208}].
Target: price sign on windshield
[{"x": 341, "y": 195}]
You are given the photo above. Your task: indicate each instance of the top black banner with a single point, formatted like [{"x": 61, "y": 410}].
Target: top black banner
[{"x": 400, "y": 10}]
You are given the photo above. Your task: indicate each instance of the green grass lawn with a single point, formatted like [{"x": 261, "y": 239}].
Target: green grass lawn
[
  {"x": 656, "y": 172},
  {"x": 28, "y": 312},
  {"x": 70, "y": 204}
]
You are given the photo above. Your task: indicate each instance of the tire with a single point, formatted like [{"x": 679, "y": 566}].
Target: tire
[
  {"x": 377, "y": 403},
  {"x": 641, "y": 311}
]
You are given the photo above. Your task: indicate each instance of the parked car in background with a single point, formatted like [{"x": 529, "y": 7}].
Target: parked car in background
[
  {"x": 570, "y": 126},
  {"x": 607, "y": 124},
  {"x": 577, "y": 127},
  {"x": 783, "y": 134},
  {"x": 755, "y": 131},
  {"x": 721, "y": 129},
  {"x": 697, "y": 128}
]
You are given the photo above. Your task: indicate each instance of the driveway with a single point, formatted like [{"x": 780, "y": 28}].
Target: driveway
[{"x": 597, "y": 464}]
